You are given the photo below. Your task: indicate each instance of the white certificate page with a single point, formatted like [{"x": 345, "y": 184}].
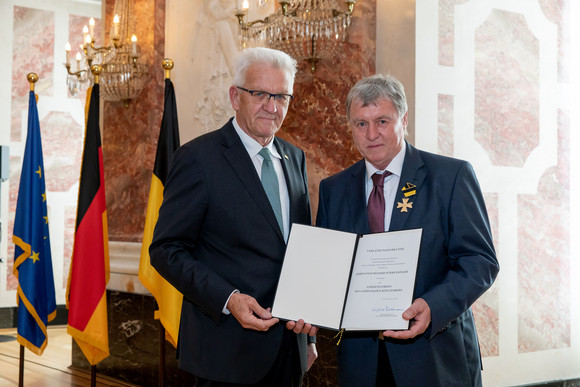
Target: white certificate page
[
  {"x": 315, "y": 276},
  {"x": 382, "y": 281}
]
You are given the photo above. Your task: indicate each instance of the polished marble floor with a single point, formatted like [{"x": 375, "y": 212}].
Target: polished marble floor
[{"x": 52, "y": 369}]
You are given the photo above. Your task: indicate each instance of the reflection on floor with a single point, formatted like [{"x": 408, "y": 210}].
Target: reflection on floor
[{"x": 52, "y": 369}]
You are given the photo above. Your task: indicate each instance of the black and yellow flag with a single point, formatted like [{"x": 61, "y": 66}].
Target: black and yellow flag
[{"x": 167, "y": 297}]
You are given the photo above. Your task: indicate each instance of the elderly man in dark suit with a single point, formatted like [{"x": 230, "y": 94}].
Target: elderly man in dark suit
[
  {"x": 399, "y": 187},
  {"x": 229, "y": 200}
]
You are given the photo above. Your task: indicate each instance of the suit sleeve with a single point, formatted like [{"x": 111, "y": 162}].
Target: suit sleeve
[
  {"x": 471, "y": 257},
  {"x": 181, "y": 218},
  {"x": 305, "y": 179},
  {"x": 321, "y": 217}
]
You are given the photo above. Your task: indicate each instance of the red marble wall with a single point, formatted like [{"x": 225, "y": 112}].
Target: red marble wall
[
  {"x": 130, "y": 133},
  {"x": 316, "y": 120}
]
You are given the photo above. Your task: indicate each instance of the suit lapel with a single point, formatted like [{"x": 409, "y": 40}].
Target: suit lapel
[
  {"x": 412, "y": 174},
  {"x": 356, "y": 192},
  {"x": 291, "y": 174},
  {"x": 238, "y": 158}
]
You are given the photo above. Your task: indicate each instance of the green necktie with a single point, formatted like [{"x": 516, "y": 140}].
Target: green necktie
[{"x": 270, "y": 183}]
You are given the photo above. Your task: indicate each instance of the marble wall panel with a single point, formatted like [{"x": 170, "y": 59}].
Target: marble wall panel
[
  {"x": 130, "y": 133},
  {"x": 506, "y": 88},
  {"x": 558, "y": 12},
  {"x": 544, "y": 259},
  {"x": 445, "y": 127},
  {"x": 70, "y": 216},
  {"x": 59, "y": 131},
  {"x": 33, "y": 43},
  {"x": 486, "y": 308}
]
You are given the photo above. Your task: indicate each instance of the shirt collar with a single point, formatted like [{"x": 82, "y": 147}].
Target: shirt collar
[
  {"x": 251, "y": 145},
  {"x": 395, "y": 166}
]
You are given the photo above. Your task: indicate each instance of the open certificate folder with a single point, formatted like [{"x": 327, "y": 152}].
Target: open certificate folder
[{"x": 339, "y": 280}]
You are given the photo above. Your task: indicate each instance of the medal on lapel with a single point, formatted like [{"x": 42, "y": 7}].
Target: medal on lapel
[{"x": 408, "y": 191}]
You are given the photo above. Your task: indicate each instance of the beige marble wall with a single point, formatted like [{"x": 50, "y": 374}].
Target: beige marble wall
[
  {"x": 33, "y": 34},
  {"x": 494, "y": 85}
]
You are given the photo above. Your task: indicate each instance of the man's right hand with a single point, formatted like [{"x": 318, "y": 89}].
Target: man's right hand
[{"x": 249, "y": 313}]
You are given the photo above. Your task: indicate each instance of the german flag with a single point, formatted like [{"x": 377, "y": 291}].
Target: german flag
[
  {"x": 89, "y": 270},
  {"x": 167, "y": 297}
]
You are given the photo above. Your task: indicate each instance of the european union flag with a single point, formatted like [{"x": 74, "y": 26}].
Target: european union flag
[{"x": 32, "y": 258}]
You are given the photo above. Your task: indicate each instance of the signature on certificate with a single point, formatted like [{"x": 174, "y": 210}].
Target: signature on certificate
[{"x": 386, "y": 308}]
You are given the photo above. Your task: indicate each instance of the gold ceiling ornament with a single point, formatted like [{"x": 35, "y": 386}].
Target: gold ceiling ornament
[
  {"x": 310, "y": 30},
  {"x": 123, "y": 76}
]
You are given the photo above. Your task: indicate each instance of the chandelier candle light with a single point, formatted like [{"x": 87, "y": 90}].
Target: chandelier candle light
[
  {"x": 308, "y": 30},
  {"x": 122, "y": 77}
]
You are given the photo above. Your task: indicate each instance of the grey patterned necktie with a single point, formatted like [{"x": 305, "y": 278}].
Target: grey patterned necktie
[{"x": 270, "y": 183}]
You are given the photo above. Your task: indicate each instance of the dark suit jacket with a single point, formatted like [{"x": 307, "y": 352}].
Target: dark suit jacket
[
  {"x": 457, "y": 264},
  {"x": 217, "y": 232}
]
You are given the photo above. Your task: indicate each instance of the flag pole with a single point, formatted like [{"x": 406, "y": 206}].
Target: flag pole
[
  {"x": 161, "y": 355},
  {"x": 21, "y": 368},
  {"x": 167, "y": 65},
  {"x": 32, "y": 78},
  {"x": 96, "y": 70}
]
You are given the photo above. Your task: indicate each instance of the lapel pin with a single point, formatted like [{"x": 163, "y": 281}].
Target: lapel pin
[
  {"x": 405, "y": 205},
  {"x": 409, "y": 190},
  {"x": 286, "y": 157}
]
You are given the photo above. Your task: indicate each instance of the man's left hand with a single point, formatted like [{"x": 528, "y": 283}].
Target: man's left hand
[
  {"x": 419, "y": 314},
  {"x": 301, "y": 327}
]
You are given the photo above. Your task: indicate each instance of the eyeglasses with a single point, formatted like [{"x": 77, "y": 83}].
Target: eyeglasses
[{"x": 259, "y": 96}]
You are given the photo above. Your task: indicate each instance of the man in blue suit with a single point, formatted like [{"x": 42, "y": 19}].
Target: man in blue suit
[
  {"x": 228, "y": 203},
  {"x": 457, "y": 261}
]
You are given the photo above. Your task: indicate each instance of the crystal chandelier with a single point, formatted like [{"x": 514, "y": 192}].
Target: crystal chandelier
[
  {"x": 308, "y": 30},
  {"x": 123, "y": 76}
]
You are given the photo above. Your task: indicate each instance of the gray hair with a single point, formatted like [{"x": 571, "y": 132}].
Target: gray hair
[
  {"x": 376, "y": 87},
  {"x": 262, "y": 55}
]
